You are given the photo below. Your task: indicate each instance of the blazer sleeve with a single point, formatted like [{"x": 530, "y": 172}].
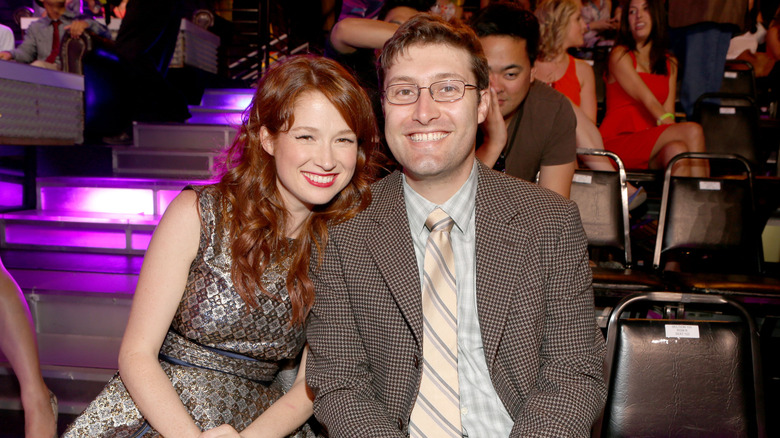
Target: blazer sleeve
[
  {"x": 337, "y": 368},
  {"x": 570, "y": 392}
]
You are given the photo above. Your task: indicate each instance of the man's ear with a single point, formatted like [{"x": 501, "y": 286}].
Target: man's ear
[
  {"x": 484, "y": 105},
  {"x": 533, "y": 72},
  {"x": 266, "y": 140}
]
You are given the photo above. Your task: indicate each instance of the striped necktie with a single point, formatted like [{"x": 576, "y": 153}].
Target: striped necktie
[{"x": 437, "y": 410}]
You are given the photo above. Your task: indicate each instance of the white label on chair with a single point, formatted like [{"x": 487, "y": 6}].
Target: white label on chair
[
  {"x": 682, "y": 331},
  {"x": 730, "y": 74},
  {"x": 728, "y": 110},
  {"x": 709, "y": 185},
  {"x": 582, "y": 179}
]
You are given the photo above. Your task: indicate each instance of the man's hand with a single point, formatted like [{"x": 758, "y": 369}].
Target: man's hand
[
  {"x": 494, "y": 133},
  {"x": 77, "y": 28},
  {"x": 6, "y": 56},
  {"x": 224, "y": 431}
]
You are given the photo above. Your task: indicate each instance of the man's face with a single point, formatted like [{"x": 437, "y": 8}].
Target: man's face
[
  {"x": 511, "y": 73},
  {"x": 434, "y": 141},
  {"x": 54, "y": 8}
]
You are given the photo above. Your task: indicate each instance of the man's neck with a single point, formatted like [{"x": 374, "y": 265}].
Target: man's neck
[{"x": 439, "y": 189}]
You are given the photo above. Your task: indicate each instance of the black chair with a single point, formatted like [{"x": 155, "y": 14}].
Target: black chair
[
  {"x": 730, "y": 124},
  {"x": 685, "y": 376},
  {"x": 602, "y": 198},
  {"x": 709, "y": 237},
  {"x": 739, "y": 78}
]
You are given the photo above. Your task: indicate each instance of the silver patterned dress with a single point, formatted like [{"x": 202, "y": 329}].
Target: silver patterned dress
[{"x": 227, "y": 363}]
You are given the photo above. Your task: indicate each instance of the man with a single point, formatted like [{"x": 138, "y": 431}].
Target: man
[
  {"x": 529, "y": 353},
  {"x": 530, "y": 127},
  {"x": 39, "y": 47},
  {"x": 701, "y": 32}
]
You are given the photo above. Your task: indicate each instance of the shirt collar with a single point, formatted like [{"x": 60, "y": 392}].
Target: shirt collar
[{"x": 460, "y": 207}]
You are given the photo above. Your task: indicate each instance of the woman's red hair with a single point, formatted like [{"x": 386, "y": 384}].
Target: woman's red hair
[{"x": 254, "y": 213}]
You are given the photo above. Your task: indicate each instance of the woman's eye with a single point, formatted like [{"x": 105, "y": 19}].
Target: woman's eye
[
  {"x": 345, "y": 140},
  {"x": 304, "y": 137}
]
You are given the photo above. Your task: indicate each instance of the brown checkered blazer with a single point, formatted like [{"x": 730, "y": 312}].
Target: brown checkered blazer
[{"x": 534, "y": 298}]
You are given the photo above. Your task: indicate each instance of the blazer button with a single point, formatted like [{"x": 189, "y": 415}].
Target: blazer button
[{"x": 400, "y": 424}]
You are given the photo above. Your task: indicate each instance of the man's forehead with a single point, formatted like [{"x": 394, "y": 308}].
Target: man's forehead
[{"x": 451, "y": 66}]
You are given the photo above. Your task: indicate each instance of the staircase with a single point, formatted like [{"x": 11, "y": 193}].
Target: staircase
[{"x": 78, "y": 254}]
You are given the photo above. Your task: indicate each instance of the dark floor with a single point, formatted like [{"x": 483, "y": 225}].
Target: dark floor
[{"x": 12, "y": 423}]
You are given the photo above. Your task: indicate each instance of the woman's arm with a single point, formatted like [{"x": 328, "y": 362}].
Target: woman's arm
[
  {"x": 587, "y": 80},
  {"x": 351, "y": 34},
  {"x": 672, "y": 96},
  {"x": 160, "y": 288},
  {"x": 621, "y": 69}
]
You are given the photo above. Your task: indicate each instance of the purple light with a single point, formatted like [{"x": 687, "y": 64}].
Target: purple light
[
  {"x": 98, "y": 200},
  {"x": 164, "y": 199},
  {"x": 11, "y": 195},
  {"x": 140, "y": 240},
  {"x": 70, "y": 237}
]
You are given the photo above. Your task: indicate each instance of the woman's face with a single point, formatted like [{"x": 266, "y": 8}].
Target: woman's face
[
  {"x": 639, "y": 21},
  {"x": 575, "y": 29},
  {"x": 315, "y": 159}
]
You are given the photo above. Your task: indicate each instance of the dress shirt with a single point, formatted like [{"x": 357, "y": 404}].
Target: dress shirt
[
  {"x": 6, "y": 39},
  {"x": 482, "y": 412}
]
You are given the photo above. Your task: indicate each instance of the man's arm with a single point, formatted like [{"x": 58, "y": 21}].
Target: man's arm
[
  {"x": 560, "y": 153},
  {"x": 27, "y": 51},
  {"x": 570, "y": 392},
  {"x": 337, "y": 370}
]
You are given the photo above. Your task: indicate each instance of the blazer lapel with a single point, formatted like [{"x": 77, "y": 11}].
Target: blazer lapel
[
  {"x": 391, "y": 247},
  {"x": 497, "y": 283}
]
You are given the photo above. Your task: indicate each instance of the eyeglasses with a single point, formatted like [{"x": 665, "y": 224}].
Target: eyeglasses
[{"x": 450, "y": 90}]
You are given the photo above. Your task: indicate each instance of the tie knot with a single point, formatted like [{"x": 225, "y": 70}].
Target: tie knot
[{"x": 438, "y": 220}]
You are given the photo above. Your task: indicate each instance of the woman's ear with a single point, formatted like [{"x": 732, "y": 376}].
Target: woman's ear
[{"x": 266, "y": 140}]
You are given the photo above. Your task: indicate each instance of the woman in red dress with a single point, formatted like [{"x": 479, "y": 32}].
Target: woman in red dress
[{"x": 639, "y": 124}]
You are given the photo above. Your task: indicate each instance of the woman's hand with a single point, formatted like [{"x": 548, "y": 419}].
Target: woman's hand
[{"x": 224, "y": 431}]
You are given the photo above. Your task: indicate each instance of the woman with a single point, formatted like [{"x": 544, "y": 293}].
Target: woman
[
  {"x": 561, "y": 27},
  {"x": 639, "y": 124},
  {"x": 224, "y": 289}
]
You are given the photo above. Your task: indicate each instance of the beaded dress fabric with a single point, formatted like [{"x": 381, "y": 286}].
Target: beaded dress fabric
[{"x": 227, "y": 364}]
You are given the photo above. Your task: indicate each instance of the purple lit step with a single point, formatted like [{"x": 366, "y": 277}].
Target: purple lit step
[
  {"x": 215, "y": 118},
  {"x": 75, "y": 283},
  {"x": 232, "y": 98}
]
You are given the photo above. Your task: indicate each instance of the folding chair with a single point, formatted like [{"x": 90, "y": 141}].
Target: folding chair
[
  {"x": 730, "y": 124},
  {"x": 739, "y": 78},
  {"x": 602, "y": 198},
  {"x": 684, "y": 376},
  {"x": 709, "y": 231}
]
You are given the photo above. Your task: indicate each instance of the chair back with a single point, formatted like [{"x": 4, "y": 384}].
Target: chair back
[
  {"x": 709, "y": 224},
  {"x": 730, "y": 123},
  {"x": 602, "y": 198},
  {"x": 739, "y": 78},
  {"x": 682, "y": 377}
]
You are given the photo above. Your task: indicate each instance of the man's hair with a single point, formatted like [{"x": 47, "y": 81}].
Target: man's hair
[
  {"x": 425, "y": 29},
  {"x": 508, "y": 19}
]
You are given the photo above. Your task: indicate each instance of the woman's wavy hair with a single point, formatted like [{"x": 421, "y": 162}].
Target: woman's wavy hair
[
  {"x": 255, "y": 215},
  {"x": 658, "y": 35},
  {"x": 553, "y": 16}
]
